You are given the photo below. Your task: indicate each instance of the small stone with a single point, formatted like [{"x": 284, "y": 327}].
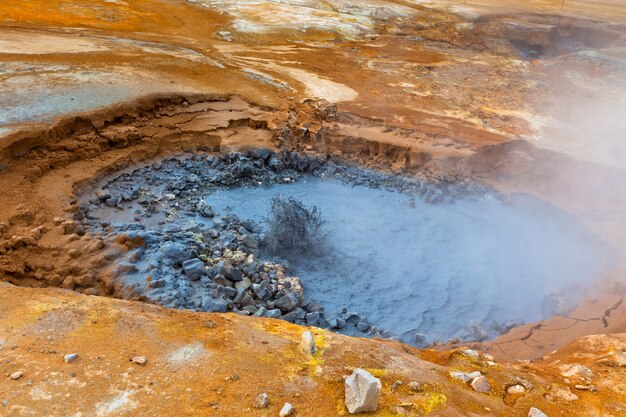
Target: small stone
[
  {"x": 71, "y": 357},
  {"x": 525, "y": 383},
  {"x": 274, "y": 313},
  {"x": 469, "y": 353},
  {"x": 362, "y": 392},
  {"x": 337, "y": 323},
  {"x": 462, "y": 376},
  {"x": 287, "y": 302},
  {"x": 591, "y": 388},
  {"x": 516, "y": 389},
  {"x": 564, "y": 394},
  {"x": 363, "y": 325},
  {"x": 308, "y": 343},
  {"x": 535, "y": 412},
  {"x": 415, "y": 386},
  {"x": 16, "y": 375},
  {"x": 579, "y": 371},
  {"x": 194, "y": 269},
  {"x": 480, "y": 384},
  {"x": 312, "y": 318},
  {"x": 396, "y": 385},
  {"x": 262, "y": 401},
  {"x": 139, "y": 360},
  {"x": 287, "y": 410}
]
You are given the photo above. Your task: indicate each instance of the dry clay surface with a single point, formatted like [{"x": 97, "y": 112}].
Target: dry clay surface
[{"x": 214, "y": 364}]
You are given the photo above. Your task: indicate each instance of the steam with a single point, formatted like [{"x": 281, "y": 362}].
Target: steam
[{"x": 580, "y": 108}]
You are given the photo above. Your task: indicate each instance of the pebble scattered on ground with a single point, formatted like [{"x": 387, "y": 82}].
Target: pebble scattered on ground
[
  {"x": 262, "y": 401},
  {"x": 70, "y": 357},
  {"x": 287, "y": 410}
]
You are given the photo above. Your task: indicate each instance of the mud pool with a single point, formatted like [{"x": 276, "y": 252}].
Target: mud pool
[
  {"x": 420, "y": 261},
  {"x": 433, "y": 269}
]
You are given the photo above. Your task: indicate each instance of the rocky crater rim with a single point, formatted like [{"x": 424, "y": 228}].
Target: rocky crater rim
[{"x": 78, "y": 153}]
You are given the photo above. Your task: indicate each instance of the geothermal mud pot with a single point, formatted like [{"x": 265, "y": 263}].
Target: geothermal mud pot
[{"x": 422, "y": 261}]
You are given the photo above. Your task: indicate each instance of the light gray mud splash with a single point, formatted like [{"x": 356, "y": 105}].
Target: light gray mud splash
[{"x": 403, "y": 258}]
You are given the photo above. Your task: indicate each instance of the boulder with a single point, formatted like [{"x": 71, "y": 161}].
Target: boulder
[{"x": 362, "y": 392}]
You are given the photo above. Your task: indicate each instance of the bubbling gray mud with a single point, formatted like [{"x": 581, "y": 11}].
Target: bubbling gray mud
[
  {"x": 416, "y": 268},
  {"x": 417, "y": 260}
]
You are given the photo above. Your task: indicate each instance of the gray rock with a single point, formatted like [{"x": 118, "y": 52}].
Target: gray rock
[
  {"x": 312, "y": 319},
  {"x": 103, "y": 194},
  {"x": 231, "y": 273},
  {"x": 214, "y": 305},
  {"x": 175, "y": 253},
  {"x": 337, "y": 323},
  {"x": 295, "y": 315},
  {"x": 194, "y": 269},
  {"x": 261, "y": 312},
  {"x": 535, "y": 412},
  {"x": 262, "y": 401},
  {"x": 362, "y": 392},
  {"x": 70, "y": 357},
  {"x": 287, "y": 302},
  {"x": 363, "y": 325},
  {"x": 260, "y": 291},
  {"x": 274, "y": 314},
  {"x": 228, "y": 292},
  {"x": 480, "y": 384}
]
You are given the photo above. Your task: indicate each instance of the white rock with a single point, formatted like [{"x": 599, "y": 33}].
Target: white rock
[
  {"x": 287, "y": 410},
  {"x": 139, "y": 360},
  {"x": 516, "y": 389},
  {"x": 16, "y": 375},
  {"x": 535, "y": 412},
  {"x": 579, "y": 371},
  {"x": 480, "y": 384},
  {"x": 469, "y": 353},
  {"x": 262, "y": 401},
  {"x": 70, "y": 357},
  {"x": 362, "y": 392},
  {"x": 308, "y": 343},
  {"x": 473, "y": 375}
]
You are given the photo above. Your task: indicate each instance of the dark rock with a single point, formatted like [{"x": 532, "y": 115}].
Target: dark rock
[
  {"x": 175, "y": 253},
  {"x": 287, "y": 302},
  {"x": 194, "y": 269},
  {"x": 214, "y": 305}
]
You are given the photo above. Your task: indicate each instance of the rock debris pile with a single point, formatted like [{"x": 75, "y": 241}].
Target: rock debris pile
[{"x": 171, "y": 248}]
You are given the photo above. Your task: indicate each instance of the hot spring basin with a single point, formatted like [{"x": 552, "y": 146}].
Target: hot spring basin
[{"x": 432, "y": 269}]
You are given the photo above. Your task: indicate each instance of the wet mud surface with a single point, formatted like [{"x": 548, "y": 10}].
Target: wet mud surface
[{"x": 422, "y": 261}]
